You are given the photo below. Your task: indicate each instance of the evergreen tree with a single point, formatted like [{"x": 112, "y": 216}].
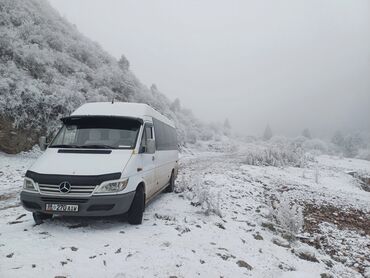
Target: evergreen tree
[
  {"x": 154, "y": 88},
  {"x": 123, "y": 63},
  {"x": 267, "y": 135},
  {"x": 227, "y": 127},
  {"x": 227, "y": 124},
  {"x": 306, "y": 133},
  {"x": 175, "y": 105},
  {"x": 352, "y": 144},
  {"x": 338, "y": 139}
]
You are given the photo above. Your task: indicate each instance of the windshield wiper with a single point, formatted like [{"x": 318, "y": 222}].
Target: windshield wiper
[
  {"x": 64, "y": 146},
  {"x": 96, "y": 146}
]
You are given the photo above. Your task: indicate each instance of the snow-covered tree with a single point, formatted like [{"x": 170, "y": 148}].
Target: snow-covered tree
[
  {"x": 123, "y": 63},
  {"x": 338, "y": 139},
  {"x": 154, "y": 88},
  {"x": 175, "y": 105},
  {"x": 306, "y": 133},
  {"x": 267, "y": 134},
  {"x": 227, "y": 127},
  {"x": 352, "y": 144}
]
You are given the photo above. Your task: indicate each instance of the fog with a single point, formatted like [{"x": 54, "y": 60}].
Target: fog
[{"x": 292, "y": 64}]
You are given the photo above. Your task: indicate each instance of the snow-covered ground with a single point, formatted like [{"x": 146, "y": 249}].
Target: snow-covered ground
[{"x": 220, "y": 223}]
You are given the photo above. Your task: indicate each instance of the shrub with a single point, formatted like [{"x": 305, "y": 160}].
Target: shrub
[
  {"x": 208, "y": 199},
  {"x": 277, "y": 156},
  {"x": 289, "y": 215},
  {"x": 316, "y": 145}
]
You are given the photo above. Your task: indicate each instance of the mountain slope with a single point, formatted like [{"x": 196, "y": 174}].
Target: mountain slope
[{"x": 48, "y": 69}]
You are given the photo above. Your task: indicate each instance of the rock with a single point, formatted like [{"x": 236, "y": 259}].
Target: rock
[
  {"x": 326, "y": 275},
  {"x": 225, "y": 257},
  {"x": 285, "y": 267},
  {"x": 164, "y": 217},
  {"x": 269, "y": 225},
  {"x": 257, "y": 237},
  {"x": 328, "y": 263},
  {"x": 281, "y": 242},
  {"x": 305, "y": 254},
  {"x": 288, "y": 236},
  {"x": 339, "y": 259},
  {"x": 220, "y": 226},
  {"x": 244, "y": 264},
  {"x": 63, "y": 263},
  {"x": 74, "y": 249}
]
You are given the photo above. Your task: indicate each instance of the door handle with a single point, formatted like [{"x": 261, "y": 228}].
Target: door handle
[{"x": 153, "y": 158}]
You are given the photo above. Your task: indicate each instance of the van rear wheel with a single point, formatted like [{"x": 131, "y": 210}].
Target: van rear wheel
[
  {"x": 135, "y": 214},
  {"x": 40, "y": 217},
  {"x": 171, "y": 184}
]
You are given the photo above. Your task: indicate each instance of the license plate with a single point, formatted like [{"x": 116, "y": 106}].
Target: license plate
[{"x": 61, "y": 207}]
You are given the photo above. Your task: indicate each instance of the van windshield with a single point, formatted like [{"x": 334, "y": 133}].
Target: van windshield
[{"x": 97, "y": 133}]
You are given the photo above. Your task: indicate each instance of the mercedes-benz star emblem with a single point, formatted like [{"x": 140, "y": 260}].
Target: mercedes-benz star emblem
[{"x": 65, "y": 187}]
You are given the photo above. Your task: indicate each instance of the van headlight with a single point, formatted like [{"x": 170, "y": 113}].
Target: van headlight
[
  {"x": 29, "y": 185},
  {"x": 111, "y": 187}
]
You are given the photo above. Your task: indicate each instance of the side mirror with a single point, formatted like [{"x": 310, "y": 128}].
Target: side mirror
[
  {"x": 150, "y": 148},
  {"x": 42, "y": 143}
]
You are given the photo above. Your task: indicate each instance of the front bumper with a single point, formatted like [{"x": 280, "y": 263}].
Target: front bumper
[{"x": 87, "y": 206}]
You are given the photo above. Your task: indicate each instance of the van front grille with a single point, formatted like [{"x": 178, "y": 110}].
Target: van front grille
[{"x": 76, "y": 190}]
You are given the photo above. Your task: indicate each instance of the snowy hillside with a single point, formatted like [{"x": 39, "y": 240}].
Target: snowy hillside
[
  {"x": 48, "y": 69},
  {"x": 231, "y": 216}
]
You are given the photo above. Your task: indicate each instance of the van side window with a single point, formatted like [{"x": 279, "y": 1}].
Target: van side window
[
  {"x": 147, "y": 134},
  {"x": 165, "y": 136}
]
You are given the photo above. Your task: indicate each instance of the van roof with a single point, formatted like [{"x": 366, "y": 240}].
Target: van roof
[{"x": 120, "y": 109}]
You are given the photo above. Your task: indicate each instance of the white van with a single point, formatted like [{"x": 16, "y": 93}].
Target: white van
[{"x": 107, "y": 159}]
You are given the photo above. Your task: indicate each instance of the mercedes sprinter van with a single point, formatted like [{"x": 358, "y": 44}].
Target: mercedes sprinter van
[{"x": 107, "y": 159}]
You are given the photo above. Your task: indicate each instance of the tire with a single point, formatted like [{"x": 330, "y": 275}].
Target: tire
[
  {"x": 171, "y": 186},
  {"x": 135, "y": 214},
  {"x": 40, "y": 217}
]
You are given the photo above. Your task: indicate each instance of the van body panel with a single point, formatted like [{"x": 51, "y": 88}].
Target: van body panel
[
  {"x": 165, "y": 162},
  {"x": 147, "y": 172},
  {"x": 54, "y": 162}
]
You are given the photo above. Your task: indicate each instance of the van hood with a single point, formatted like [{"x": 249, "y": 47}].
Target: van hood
[{"x": 56, "y": 161}]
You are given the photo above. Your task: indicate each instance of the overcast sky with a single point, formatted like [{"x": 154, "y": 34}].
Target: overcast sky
[{"x": 292, "y": 64}]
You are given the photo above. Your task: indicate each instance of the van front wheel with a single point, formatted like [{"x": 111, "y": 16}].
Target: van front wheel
[{"x": 135, "y": 214}]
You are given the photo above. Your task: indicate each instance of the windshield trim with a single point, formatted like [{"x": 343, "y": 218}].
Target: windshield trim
[{"x": 65, "y": 121}]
